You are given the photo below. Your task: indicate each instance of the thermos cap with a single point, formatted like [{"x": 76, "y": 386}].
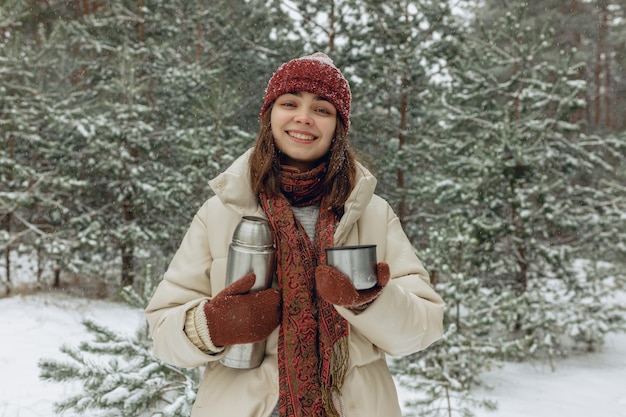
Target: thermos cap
[{"x": 254, "y": 232}]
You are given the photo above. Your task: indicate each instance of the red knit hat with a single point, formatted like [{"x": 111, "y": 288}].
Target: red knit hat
[{"x": 315, "y": 74}]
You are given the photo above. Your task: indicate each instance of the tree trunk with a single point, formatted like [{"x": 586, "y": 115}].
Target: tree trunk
[
  {"x": 128, "y": 276},
  {"x": 607, "y": 93},
  {"x": 198, "y": 41},
  {"x": 56, "y": 283},
  {"x": 7, "y": 250},
  {"x": 39, "y": 263},
  {"x": 128, "y": 246},
  {"x": 579, "y": 115},
  {"x": 331, "y": 31},
  {"x": 599, "y": 74},
  {"x": 402, "y": 210},
  {"x": 404, "y": 108},
  {"x": 520, "y": 251},
  {"x": 140, "y": 25},
  {"x": 8, "y": 218}
]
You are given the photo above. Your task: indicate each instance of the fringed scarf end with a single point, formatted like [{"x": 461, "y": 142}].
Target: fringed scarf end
[{"x": 339, "y": 368}]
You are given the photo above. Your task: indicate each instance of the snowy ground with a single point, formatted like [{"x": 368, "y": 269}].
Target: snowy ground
[
  {"x": 33, "y": 327},
  {"x": 587, "y": 385}
]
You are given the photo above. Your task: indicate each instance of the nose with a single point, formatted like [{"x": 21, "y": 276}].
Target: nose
[{"x": 303, "y": 116}]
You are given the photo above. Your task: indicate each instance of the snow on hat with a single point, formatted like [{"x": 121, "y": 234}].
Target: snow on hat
[{"x": 315, "y": 74}]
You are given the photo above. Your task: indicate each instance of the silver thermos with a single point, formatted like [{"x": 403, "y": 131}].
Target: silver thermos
[{"x": 252, "y": 250}]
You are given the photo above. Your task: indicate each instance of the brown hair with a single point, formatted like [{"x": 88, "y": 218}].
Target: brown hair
[{"x": 340, "y": 176}]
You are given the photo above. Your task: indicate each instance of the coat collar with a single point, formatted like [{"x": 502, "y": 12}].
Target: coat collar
[
  {"x": 356, "y": 203},
  {"x": 233, "y": 188}
]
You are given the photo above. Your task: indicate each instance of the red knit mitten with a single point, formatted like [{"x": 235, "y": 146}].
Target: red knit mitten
[
  {"x": 336, "y": 288},
  {"x": 235, "y": 316}
]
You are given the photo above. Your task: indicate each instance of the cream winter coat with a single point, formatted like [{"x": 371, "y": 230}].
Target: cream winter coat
[{"x": 406, "y": 317}]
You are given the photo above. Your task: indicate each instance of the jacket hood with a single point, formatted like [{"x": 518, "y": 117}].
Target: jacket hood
[{"x": 233, "y": 188}]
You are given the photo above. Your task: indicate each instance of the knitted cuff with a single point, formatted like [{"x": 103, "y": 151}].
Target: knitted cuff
[
  {"x": 361, "y": 308},
  {"x": 197, "y": 330}
]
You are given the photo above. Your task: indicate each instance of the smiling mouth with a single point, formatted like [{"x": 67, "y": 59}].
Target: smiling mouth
[{"x": 301, "y": 136}]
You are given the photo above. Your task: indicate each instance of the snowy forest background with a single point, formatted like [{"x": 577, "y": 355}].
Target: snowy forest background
[{"x": 497, "y": 130}]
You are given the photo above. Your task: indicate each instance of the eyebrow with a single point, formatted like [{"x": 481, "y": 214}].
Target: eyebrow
[{"x": 299, "y": 94}]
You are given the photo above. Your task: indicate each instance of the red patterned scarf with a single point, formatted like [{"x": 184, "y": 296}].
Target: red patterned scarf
[{"x": 312, "y": 345}]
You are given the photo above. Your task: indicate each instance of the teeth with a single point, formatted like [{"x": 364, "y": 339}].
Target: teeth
[{"x": 301, "y": 136}]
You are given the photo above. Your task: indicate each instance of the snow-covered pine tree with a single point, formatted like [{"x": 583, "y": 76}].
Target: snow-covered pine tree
[
  {"x": 31, "y": 203},
  {"x": 518, "y": 173},
  {"x": 394, "y": 52},
  {"x": 136, "y": 125},
  {"x": 594, "y": 30},
  {"x": 442, "y": 377},
  {"x": 102, "y": 130},
  {"x": 16, "y": 94},
  {"x": 117, "y": 375},
  {"x": 509, "y": 222}
]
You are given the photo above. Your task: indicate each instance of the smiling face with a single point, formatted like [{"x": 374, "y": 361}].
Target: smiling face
[{"x": 303, "y": 126}]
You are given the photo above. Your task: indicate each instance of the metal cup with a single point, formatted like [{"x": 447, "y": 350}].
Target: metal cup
[{"x": 357, "y": 262}]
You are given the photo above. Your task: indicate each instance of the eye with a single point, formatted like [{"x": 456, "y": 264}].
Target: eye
[
  {"x": 288, "y": 104},
  {"x": 325, "y": 110}
]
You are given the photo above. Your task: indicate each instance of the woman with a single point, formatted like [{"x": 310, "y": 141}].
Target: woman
[{"x": 326, "y": 342}]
